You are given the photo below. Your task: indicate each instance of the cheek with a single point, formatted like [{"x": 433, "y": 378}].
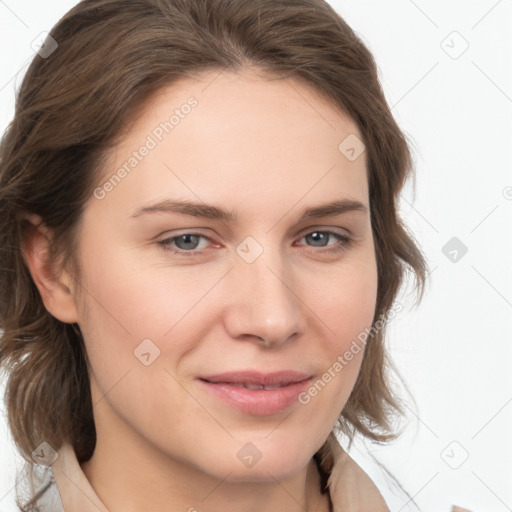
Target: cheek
[
  {"x": 127, "y": 302},
  {"x": 346, "y": 303},
  {"x": 346, "y": 306}
]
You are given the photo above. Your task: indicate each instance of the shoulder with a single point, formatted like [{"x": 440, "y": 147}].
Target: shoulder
[{"x": 349, "y": 486}]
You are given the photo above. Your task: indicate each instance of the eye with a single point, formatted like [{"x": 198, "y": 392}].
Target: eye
[
  {"x": 185, "y": 243},
  {"x": 321, "y": 239},
  {"x": 194, "y": 243}
]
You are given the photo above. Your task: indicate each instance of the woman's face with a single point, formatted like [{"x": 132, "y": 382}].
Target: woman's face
[{"x": 229, "y": 281}]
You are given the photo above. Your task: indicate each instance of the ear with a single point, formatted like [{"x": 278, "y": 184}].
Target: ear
[{"x": 56, "y": 290}]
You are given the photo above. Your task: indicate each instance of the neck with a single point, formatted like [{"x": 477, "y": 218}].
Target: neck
[{"x": 143, "y": 479}]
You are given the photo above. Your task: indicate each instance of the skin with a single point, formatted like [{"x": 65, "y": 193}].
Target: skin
[{"x": 266, "y": 150}]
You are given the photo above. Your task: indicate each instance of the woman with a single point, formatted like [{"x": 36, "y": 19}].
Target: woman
[{"x": 198, "y": 205}]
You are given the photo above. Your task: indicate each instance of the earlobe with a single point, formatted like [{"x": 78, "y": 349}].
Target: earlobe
[{"x": 53, "y": 287}]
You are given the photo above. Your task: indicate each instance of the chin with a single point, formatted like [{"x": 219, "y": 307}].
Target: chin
[
  {"x": 265, "y": 472},
  {"x": 263, "y": 461}
]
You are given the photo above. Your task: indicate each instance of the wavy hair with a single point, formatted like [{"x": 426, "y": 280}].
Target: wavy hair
[{"x": 73, "y": 105}]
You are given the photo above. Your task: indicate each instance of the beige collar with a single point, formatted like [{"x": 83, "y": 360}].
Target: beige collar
[
  {"x": 75, "y": 490},
  {"x": 349, "y": 486}
]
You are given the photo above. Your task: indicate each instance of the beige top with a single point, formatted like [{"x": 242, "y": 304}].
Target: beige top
[{"x": 350, "y": 488}]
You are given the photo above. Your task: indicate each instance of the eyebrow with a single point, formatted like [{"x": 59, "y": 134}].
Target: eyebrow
[{"x": 208, "y": 211}]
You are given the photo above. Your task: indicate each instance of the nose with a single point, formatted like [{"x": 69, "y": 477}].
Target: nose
[{"x": 264, "y": 307}]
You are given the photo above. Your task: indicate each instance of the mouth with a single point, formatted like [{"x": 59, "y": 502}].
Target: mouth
[
  {"x": 246, "y": 385},
  {"x": 255, "y": 392}
]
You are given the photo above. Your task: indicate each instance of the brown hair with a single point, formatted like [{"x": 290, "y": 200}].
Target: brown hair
[{"x": 73, "y": 106}]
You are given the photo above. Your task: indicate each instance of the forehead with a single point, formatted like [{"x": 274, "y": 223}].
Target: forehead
[{"x": 221, "y": 134}]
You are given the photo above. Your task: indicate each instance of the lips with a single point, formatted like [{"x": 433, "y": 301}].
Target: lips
[
  {"x": 246, "y": 385},
  {"x": 256, "y": 392}
]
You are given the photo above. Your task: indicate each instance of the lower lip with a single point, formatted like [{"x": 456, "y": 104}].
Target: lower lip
[{"x": 258, "y": 401}]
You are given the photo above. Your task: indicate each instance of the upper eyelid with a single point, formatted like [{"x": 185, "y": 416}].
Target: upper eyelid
[{"x": 321, "y": 229}]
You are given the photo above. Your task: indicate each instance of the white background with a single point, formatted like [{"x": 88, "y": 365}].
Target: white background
[{"x": 454, "y": 350}]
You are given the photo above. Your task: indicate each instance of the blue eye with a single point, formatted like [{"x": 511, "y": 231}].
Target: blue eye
[
  {"x": 185, "y": 241},
  {"x": 189, "y": 243},
  {"x": 321, "y": 239}
]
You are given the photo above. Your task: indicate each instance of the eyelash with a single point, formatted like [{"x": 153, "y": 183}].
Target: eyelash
[{"x": 343, "y": 244}]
